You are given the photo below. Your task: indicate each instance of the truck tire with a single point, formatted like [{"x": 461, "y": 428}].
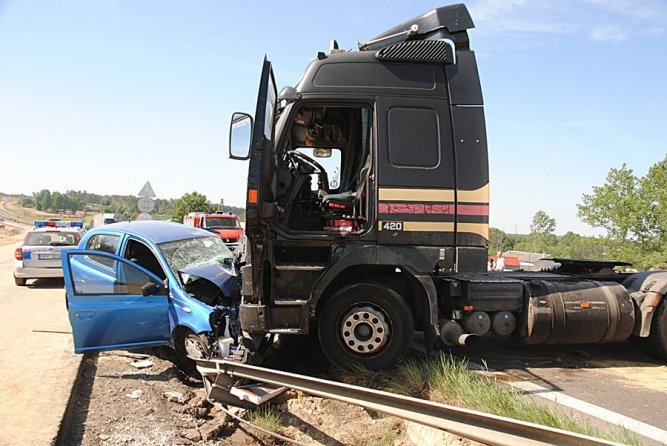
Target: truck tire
[
  {"x": 366, "y": 323},
  {"x": 19, "y": 282},
  {"x": 656, "y": 342}
]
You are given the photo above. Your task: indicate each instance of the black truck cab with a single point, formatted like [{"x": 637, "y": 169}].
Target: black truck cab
[
  {"x": 367, "y": 211},
  {"x": 372, "y": 170}
]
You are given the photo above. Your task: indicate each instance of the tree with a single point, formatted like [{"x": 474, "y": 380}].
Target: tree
[
  {"x": 542, "y": 224},
  {"x": 57, "y": 201},
  {"x": 193, "y": 202},
  {"x": 43, "y": 200},
  {"x": 615, "y": 206},
  {"x": 542, "y": 231},
  {"x": 653, "y": 191},
  {"x": 499, "y": 241}
]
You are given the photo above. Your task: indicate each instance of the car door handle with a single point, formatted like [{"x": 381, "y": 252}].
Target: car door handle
[{"x": 85, "y": 315}]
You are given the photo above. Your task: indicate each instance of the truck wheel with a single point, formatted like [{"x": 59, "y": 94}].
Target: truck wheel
[
  {"x": 656, "y": 342},
  {"x": 367, "y": 324},
  {"x": 19, "y": 281}
]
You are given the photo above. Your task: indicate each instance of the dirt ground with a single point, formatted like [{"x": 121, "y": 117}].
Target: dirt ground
[
  {"x": 117, "y": 404},
  {"x": 9, "y": 234},
  {"x": 12, "y": 231}
]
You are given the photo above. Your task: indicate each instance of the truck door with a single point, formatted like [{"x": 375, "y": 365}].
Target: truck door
[
  {"x": 261, "y": 171},
  {"x": 416, "y": 173},
  {"x": 113, "y": 303}
]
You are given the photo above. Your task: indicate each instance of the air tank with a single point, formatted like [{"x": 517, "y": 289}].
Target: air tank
[{"x": 576, "y": 312}]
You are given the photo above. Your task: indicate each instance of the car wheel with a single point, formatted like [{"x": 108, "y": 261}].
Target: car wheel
[
  {"x": 368, "y": 324},
  {"x": 656, "y": 342},
  {"x": 190, "y": 344},
  {"x": 19, "y": 281}
]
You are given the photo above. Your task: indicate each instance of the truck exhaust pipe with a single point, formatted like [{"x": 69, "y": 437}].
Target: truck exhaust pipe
[{"x": 451, "y": 333}]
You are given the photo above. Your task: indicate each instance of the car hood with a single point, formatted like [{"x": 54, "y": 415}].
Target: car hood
[{"x": 224, "y": 277}]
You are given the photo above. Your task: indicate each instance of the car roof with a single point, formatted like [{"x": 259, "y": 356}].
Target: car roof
[{"x": 155, "y": 230}]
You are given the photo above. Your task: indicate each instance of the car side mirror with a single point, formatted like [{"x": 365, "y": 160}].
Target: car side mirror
[
  {"x": 151, "y": 289},
  {"x": 240, "y": 136}
]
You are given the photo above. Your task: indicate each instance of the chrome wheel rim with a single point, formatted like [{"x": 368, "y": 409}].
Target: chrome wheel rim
[{"x": 364, "y": 330}]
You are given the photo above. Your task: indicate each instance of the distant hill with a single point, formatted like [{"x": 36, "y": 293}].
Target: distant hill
[{"x": 82, "y": 204}]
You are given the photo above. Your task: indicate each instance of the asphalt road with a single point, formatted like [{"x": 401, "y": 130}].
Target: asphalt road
[
  {"x": 37, "y": 363},
  {"x": 616, "y": 377}
]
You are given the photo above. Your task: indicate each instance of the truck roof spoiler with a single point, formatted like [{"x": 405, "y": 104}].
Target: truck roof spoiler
[{"x": 447, "y": 22}]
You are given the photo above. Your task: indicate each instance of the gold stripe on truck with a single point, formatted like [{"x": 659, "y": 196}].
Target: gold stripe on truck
[
  {"x": 428, "y": 226},
  {"x": 480, "y": 195},
  {"x": 475, "y": 228},
  {"x": 442, "y": 226},
  {"x": 423, "y": 226}
]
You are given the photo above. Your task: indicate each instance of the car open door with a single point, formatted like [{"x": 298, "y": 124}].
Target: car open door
[{"x": 113, "y": 303}]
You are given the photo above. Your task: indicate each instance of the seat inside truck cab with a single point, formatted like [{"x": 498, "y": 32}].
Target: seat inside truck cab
[{"x": 323, "y": 169}]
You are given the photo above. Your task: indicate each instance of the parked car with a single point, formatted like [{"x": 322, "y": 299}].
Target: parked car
[
  {"x": 151, "y": 283},
  {"x": 38, "y": 255}
]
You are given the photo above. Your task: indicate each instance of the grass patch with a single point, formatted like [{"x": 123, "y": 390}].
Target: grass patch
[
  {"x": 384, "y": 436},
  {"x": 266, "y": 417},
  {"x": 446, "y": 380}
]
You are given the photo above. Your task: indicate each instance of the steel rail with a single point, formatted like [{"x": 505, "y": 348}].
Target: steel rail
[{"x": 466, "y": 423}]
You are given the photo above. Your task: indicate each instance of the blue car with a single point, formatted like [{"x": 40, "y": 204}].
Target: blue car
[{"x": 152, "y": 283}]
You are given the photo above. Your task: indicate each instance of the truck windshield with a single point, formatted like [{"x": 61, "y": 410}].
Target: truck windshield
[
  {"x": 221, "y": 223},
  {"x": 188, "y": 253}
]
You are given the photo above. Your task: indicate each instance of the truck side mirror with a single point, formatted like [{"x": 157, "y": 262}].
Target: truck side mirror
[{"x": 240, "y": 136}]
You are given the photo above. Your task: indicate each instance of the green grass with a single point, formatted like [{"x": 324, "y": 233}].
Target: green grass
[
  {"x": 266, "y": 417},
  {"x": 446, "y": 380}
]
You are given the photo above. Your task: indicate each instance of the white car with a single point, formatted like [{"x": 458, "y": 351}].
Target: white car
[{"x": 38, "y": 257}]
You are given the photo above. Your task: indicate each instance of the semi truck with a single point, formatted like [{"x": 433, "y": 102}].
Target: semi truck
[{"x": 368, "y": 213}]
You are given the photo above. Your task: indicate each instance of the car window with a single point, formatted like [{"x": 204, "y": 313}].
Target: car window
[
  {"x": 104, "y": 242},
  {"x": 123, "y": 278},
  {"x": 52, "y": 238},
  {"x": 140, "y": 254},
  {"x": 221, "y": 222},
  {"x": 331, "y": 165}
]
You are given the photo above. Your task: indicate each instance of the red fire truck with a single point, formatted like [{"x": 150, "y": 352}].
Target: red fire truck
[{"x": 224, "y": 224}]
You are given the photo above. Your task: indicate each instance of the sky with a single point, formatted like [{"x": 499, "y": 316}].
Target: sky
[{"x": 104, "y": 95}]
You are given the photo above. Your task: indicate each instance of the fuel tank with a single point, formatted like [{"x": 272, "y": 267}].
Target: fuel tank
[{"x": 576, "y": 312}]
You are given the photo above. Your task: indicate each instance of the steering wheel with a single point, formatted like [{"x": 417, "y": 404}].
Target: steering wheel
[
  {"x": 322, "y": 173},
  {"x": 306, "y": 159}
]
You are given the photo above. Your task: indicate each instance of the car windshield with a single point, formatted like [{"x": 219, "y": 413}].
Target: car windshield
[
  {"x": 221, "y": 223},
  {"x": 188, "y": 253}
]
